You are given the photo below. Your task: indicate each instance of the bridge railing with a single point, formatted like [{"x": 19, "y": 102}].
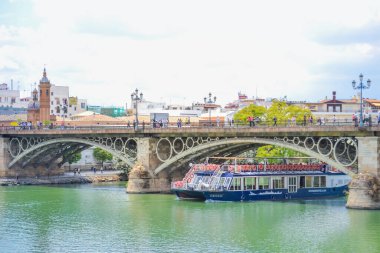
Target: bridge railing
[{"x": 202, "y": 124}]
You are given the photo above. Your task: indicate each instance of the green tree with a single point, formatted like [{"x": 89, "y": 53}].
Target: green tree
[
  {"x": 269, "y": 151},
  {"x": 284, "y": 113},
  {"x": 72, "y": 157},
  {"x": 47, "y": 122},
  {"x": 250, "y": 110},
  {"x": 102, "y": 155}
]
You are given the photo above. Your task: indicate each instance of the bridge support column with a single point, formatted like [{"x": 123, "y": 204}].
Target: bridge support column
[
  {"x": 142, "y": 178},
  {"x": 365, "y": 187},
  {"x": 4, "y": 157}
]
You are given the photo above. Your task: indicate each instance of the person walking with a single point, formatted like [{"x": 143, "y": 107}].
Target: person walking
[
  {"x": 311, "y": 119},
  {"x": 250, "y": 121},
  {"x": 274, "y": 121}
]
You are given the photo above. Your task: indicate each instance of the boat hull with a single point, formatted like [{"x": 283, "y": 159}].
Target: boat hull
[
  {"x": 189, "y": 194},
  {"x": 275, "y": 194}
]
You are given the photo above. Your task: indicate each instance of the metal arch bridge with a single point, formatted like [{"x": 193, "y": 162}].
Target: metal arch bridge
[
  {"x": 47, "y": 150},
  {"x": 174, "y": 148},
  {"x": 340, "y": 152}
]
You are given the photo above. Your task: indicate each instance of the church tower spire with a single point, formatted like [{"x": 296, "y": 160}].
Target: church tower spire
[{"x": 44, "y": 87}]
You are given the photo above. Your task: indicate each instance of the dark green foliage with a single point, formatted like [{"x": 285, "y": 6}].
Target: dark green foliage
[{"x": 102, "y": 155}]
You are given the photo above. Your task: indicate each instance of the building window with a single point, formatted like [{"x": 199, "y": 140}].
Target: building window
[
  {"x": 52, "y": 112},
  {"x": 47, "y": 92},
  {"x": 83, "y": 105},
  {"x": 51, "y": 103},
  {"x": 75, "y": 108},
  {"x": 40, "y": 92},
  {"x": 52, "y": 93}
]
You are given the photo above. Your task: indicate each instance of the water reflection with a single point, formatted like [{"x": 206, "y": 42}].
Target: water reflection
[{"x": 103, "y": 218}]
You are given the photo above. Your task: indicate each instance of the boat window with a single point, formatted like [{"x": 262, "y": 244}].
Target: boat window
[
  {"x": 316, "y": 182},
  {"x": 206, "y": 179},
  {"x": 308, "y": 180},
  {"x": 227, "y": 182},
  {"x": 195, "y": 180},
  {"x": 263, "y": 183},
  {"x": 221, "y": 182},
  {"x": 302, "y": 181},
  {"x": 278, "y": 182},
  {"x": 249, "y": 183},
  {"x": 236, "y": 184},
  {"x": 214, "y": 182},
  {"x": 323, "y": 181}
]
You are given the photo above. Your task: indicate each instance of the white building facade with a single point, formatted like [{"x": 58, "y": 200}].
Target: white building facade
[
  {"x": 11, "y": 98},
  {"x": 76, "y": 106}
]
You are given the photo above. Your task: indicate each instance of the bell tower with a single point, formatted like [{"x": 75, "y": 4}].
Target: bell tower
[{"x": 44, "y": 88}]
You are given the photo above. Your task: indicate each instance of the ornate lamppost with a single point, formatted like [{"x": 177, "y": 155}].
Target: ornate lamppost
[
  {"x": 135, "y": 97},
  {"x": 209, "y": 100},
  {"x": 361, "y": 86}
]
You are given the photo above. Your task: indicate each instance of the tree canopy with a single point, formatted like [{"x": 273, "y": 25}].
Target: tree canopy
[
  {"x": 101, "y": 155},
  {"x": 284, "y": 112},
  {"x": 72, "y": 156},
  {"x": 275, "y": 151},
  {"x": 250, "y": 110},
  {"x": 279, "y": 109}
]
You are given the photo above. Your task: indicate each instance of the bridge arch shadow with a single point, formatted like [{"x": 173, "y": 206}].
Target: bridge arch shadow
[
  {"x": 64, "y": 144},
  {"x": 209, "y": 147}
]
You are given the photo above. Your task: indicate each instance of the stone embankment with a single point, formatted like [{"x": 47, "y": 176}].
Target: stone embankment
[{"x": 82, "y": 179}]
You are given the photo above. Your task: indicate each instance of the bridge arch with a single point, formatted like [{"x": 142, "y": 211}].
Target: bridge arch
[
  {"x": 43, "y": 145},
  {"x": 244, "y": 141}
]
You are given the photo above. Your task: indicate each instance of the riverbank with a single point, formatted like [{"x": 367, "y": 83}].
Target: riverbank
[{"x": 67, "y": 178}]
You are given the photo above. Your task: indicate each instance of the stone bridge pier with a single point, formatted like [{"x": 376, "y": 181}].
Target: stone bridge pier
[
  {"x": 364, "y": 190},
  {"x": 4, "y": 157},
  {"x": 142, "y": 178}
]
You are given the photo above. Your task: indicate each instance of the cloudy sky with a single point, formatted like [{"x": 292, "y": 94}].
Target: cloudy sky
[{"x": 178, "y": 51}]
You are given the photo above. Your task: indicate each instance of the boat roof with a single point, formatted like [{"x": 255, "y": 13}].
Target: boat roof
[{"x": 270, "y": 173}]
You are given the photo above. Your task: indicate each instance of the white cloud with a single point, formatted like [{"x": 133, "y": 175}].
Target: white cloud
[{"x": 179, "y": 51}]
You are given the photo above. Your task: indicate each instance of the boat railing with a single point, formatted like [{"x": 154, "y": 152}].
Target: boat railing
[{"x": 277, "y": 167}]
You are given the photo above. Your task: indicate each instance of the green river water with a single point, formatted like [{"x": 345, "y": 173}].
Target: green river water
[{"x": 103, "y": 218}]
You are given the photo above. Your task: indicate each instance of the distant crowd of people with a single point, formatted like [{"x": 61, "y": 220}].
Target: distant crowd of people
[
  {"x": 309, "y": 120},
  {"x": 251, "y": 121},
  {"x": 92, "y": 169}
]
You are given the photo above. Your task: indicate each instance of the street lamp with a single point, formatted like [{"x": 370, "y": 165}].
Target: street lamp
[
  {"x": 361, "y": 86},
  {"x": 209, "y": 100},
  {"x": 135, "y": 97}
]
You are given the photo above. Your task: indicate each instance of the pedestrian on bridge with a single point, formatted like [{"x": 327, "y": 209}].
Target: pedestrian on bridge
[{"x": 274, "y": 121}]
